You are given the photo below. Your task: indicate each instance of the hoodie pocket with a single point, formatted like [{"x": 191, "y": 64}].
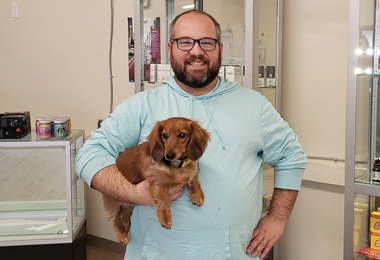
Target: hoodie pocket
[{"x": 187, "y": 243}]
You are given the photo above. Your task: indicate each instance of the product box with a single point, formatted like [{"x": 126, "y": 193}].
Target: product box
[
  {"x": 233, "y": 73},
  {"x": 153, "y": 73},
  {"x": 267, "y": 198},
  {"x": 375, "y": 222},
  {"x": 262, "y": 76},
  {"x": 222, "y": 72},
  {"x": 375, "y": 240},
  {"x": 230, "y": 73},
  {"x": 161, "y": 73},
  {"x": 168, "y": 67},
  {"x": 271, "y": 76}
]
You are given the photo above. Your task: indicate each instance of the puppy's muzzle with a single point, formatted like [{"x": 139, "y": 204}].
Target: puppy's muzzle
[{"x": 170, "y": 155}]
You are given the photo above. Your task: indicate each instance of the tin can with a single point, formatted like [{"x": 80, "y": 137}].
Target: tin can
[
  {"x": 44, "y": 129},
  {"x": 68, "y": 124},
  {"x": 38, "y": 119},
  {"x": 59, "y": 128}
]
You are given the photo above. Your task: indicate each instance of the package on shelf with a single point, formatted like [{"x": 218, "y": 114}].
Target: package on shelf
[
  {"x": 375, "y": 222},
  {"x": 262, "y": 76},
  {"x": 233, "y": 73},
  {"x": 375, "y": 240}
]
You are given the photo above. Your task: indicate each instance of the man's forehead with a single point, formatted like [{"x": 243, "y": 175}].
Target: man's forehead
[{"x": 196, "y": 23}]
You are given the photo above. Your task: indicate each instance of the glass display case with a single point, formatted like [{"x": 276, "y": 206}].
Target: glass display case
[
  {"x": 42, "y": 200},
  {"x": 362, "y": 185}
]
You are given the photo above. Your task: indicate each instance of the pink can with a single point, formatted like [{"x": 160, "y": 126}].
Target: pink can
[{"x": 44, "y": 129}]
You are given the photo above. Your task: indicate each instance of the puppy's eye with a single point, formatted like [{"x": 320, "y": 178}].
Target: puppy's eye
[
  {"x": 182, "y": 135},
  {"x": 165, "y": 136}
]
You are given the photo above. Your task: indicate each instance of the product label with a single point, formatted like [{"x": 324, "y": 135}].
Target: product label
[
  {"x": 60, "y": 130},
  {"x": 375, "y": 176},
  {"x": 44, "y": 131}
]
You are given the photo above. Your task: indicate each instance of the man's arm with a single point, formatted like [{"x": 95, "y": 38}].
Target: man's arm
[
  {"x": 270, "y": 228},
  {"x": 111, "y": 182}
]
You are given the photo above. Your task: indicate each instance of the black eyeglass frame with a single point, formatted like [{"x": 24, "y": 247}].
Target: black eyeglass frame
[{"x": 196, "y": 41}]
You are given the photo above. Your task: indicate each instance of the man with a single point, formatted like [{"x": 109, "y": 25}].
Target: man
[{"x": 245, "y": 131}]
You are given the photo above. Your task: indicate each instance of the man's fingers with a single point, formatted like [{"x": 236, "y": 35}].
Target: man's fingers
[{"x": 175, "y": 192}]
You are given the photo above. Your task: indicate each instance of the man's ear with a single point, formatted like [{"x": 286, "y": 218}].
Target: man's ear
[
  {"x": 169, "y": 49},
  {"x": 221, "y": 50}
]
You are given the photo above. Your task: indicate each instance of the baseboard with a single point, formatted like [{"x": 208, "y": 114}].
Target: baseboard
[{"x": 106, "y": 245}]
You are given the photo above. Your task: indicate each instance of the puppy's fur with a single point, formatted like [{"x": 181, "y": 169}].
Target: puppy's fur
[{"x": 170, "y": 140}]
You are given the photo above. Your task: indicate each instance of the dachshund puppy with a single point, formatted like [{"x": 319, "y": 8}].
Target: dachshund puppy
[{"x": 173, "y": 147}]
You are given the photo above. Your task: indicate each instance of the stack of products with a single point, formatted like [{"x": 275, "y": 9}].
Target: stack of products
[
  {"x": 55, "y": 126},
  {"x": 373, "y": 251}
]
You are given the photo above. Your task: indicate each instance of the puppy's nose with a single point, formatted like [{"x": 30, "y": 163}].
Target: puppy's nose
[{"x": 170, "y": 155}]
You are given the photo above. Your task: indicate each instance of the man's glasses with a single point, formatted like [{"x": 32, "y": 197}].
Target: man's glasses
[{"x": 186, "y": 44}]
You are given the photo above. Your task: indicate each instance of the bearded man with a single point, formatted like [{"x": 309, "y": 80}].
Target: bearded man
[{"x": 245, "y": 132}]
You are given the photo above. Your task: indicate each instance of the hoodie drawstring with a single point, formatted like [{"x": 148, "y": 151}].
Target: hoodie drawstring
[
  {"x": 191, "y": 108},
  {"x": 212, "y": 121}
]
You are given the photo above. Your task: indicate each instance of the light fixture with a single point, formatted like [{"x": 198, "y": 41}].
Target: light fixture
[
  {"x": 368, "y": 71},
  {"x": 369, "y": 51},
  {"x": 358, "y": 71},
  {"x": 358, "y": 51},
  {"x": 188, "y": 6}
]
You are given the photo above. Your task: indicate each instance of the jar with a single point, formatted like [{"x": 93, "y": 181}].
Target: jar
[
  {"x": 38, "y": 123},
  {"x": 44, "y": 129},
  {"x": 68, "y": 124},
  {"x": 59, "y": 128}
]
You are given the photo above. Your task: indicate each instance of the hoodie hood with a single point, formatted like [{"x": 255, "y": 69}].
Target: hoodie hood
[{"x": 222, "y": 87}]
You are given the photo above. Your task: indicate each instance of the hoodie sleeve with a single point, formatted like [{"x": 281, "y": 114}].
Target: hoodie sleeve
[
  {"x": 119, "y": 132},
  {"x": 281, "y": 149}
]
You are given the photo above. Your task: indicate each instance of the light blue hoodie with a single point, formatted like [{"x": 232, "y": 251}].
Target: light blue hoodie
[{"x": 245, "y": 132}]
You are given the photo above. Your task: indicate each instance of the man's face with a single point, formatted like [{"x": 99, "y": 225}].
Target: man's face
[{"x": 195, "y": 68}]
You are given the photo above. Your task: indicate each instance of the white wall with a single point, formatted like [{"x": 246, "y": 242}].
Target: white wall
[
  {"x": 54, "y": 61},
  {"x": 315, "y": 42}
]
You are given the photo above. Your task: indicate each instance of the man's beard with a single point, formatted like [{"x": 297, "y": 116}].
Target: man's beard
[{"x": 198, "y": 78}]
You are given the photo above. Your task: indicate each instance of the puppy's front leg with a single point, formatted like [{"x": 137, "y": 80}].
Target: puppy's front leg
[
  {"x": 160, "y": 197},
  {"x": 195, "y": 192}
]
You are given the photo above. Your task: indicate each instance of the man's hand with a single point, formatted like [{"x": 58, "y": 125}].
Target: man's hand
[
  {"x": 143, "y": 196},
  {"x": 266, "y": 234},
  {"x": 270, "y": 228}
]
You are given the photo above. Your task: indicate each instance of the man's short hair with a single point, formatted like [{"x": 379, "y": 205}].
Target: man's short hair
[{"x": 172, "y": 24}]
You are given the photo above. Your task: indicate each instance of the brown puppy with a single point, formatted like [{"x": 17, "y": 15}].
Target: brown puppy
[{"x": 173, "y": 147}]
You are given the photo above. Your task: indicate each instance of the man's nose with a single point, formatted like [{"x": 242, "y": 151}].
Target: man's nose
[{"x": 196, "y": 50}]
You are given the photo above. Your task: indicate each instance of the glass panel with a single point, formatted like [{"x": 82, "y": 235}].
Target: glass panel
[
  {"x": 155, "y": 43},
  {"x": 231, "y": 17},
  {"x": 78, "y": 193},
  {"x": 366, "y": 101},
  {"x": 362, "y": 128},
  {"x": 268, "y": 48},
  {"x": 32, "y": 193}
]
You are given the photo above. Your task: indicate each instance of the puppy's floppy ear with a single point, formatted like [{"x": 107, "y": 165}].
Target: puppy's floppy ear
[
  {"x": 198, "y": 141},
  {"x": 155, "y": 143}
]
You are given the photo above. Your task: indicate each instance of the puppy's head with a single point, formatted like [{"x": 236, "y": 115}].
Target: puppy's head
[{"x": 177, "y": 138}]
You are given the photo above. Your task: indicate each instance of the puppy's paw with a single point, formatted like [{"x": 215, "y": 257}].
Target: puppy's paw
[
  {"x": 123, "y": 239},
  {"x": 166, "y": 225},
  {"x": 165, "y": 219},
  {"x": 197, "y": 198}
]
